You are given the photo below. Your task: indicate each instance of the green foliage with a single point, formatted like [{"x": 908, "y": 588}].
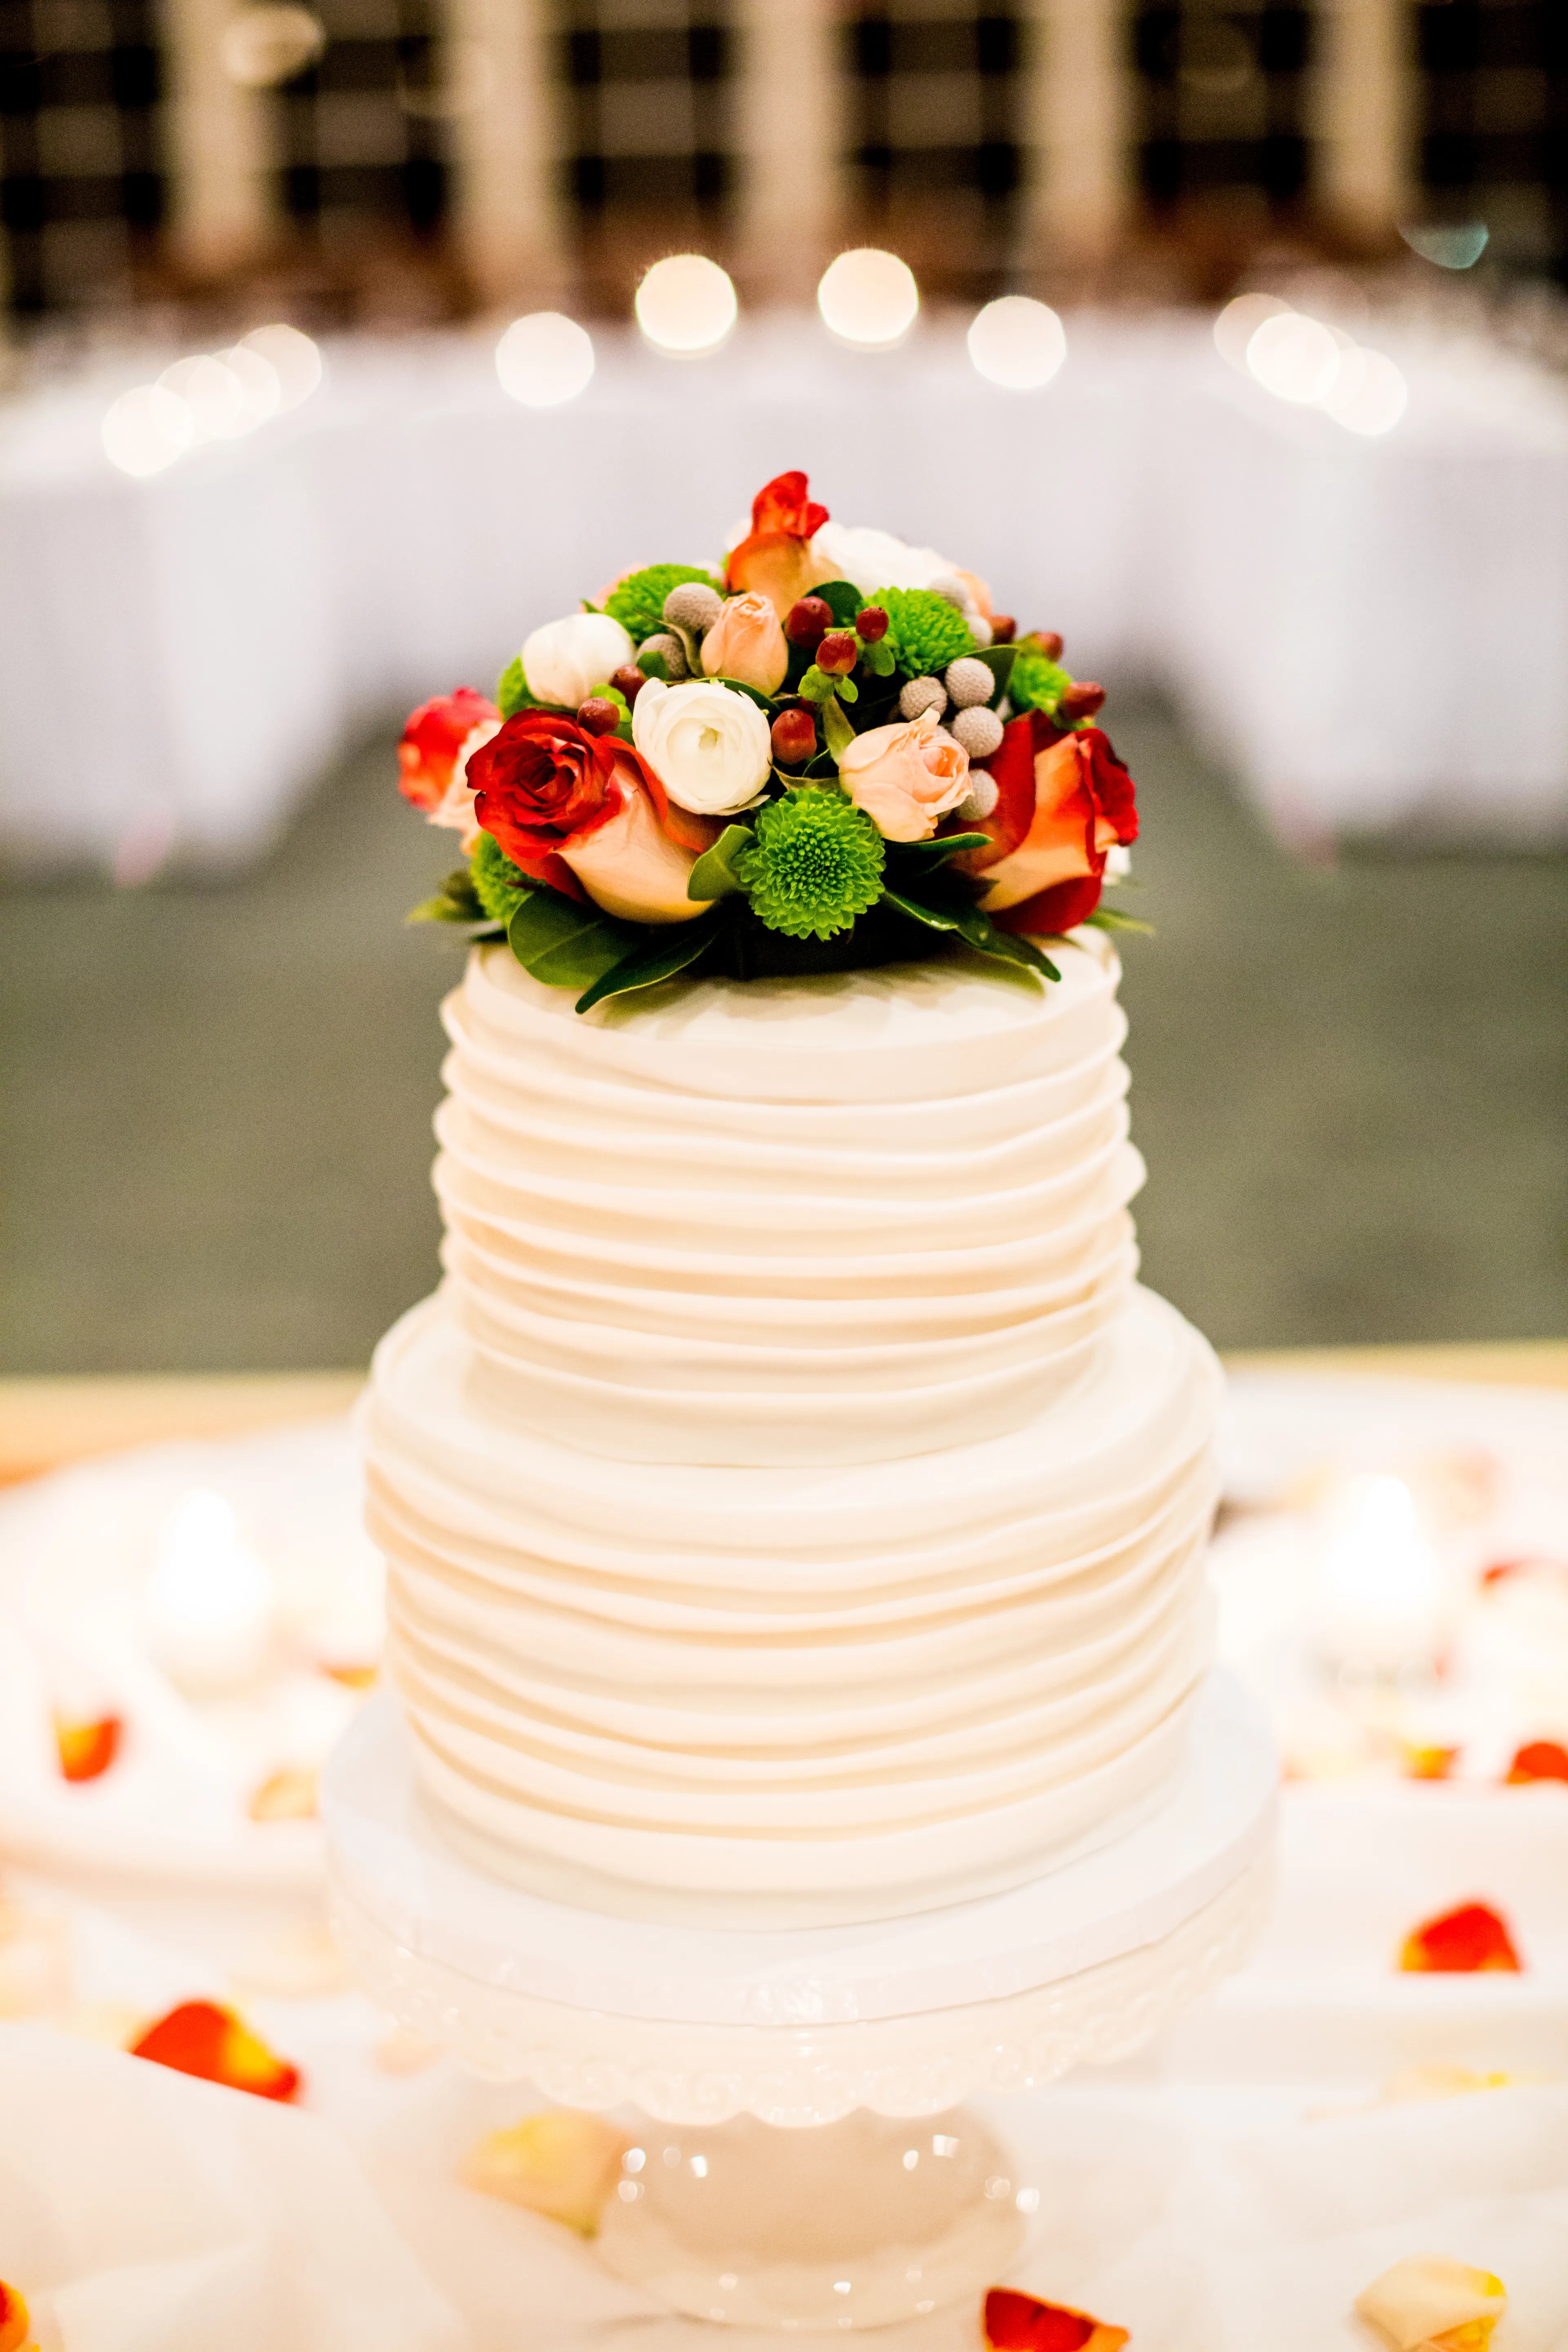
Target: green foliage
[
  {"x": 976, "y": 931},
  {"x": 564, "y": 944},
  {"x": 925, "y": 631},
  {"x": 924, "y": 856},
  {"x": 1112, "y": 918},
  {"x": 1036, "y": 683},
  {"x": 815, "y": 865},
  {"x": 717, "y": 873},
  {"x": 838, "y": 734},
  {"x": 500, "y": 886},
  {"x": 998, "y": 660},
  {"x": 663, "y": 950},
  {"x": 457, "y": 902},
  {"x": 638, "y": 602},
  {"x": 880, "y": 658},
  {"x": 842, "y": 599},
  {"x": 652, "y": 663},
  {"x": 511, "y": 692}
]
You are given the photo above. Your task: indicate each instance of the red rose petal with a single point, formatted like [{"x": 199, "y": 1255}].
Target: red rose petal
[
  {"x": 88, "y": 1748},
  {"x": 1021, "y": 2322},
  {"x": 203, "y": 2039},
  {"x": 13, "y": 2321},
  {"x": 1539, "y": 1759},
  {"x": 1461, "y": 1942}
]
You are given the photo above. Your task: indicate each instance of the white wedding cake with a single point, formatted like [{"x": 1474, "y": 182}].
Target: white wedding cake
[{"x": 795, "y": 1511}]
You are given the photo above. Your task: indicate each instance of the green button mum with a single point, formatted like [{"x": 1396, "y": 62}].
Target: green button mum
[{"x": 815, "y": 865}]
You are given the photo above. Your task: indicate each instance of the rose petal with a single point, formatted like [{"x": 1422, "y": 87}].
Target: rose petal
[
  {"x": 1461, "y": 1943},
  {"x": 13, "y": 2321},
  {"x": 1430, "y": 2299},
  {"x": 562, "y": 2164},
  {"x": 204, "y": 2038},
  {"x": 1021, "y": 2322},
  {"x": 88, "y": 1748},
  {"x": 1430, "y": 1763},
  {"x": 286, "y": 1796},
  {"x": 1539, "y": 1759},
  {"x": 355, "y": 1678}
]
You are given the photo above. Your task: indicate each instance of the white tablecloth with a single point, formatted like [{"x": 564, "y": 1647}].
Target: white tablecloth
[{"x": 1369, "y": 630}]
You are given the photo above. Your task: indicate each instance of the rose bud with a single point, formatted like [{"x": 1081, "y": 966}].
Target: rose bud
[
  {"x": 1004, "y": 628},
  {"x": 871, "y": 623},
  {"x": 628, "y": 683},
  {"x": 1050, "y": 643},
  {"x": 794, "y": 736},
  {"x": 808, "y": 621},
  {"x": 1081, "y": 700},
  {"x": 838, "y": 652},
  {"x": 598, "y": 715}
]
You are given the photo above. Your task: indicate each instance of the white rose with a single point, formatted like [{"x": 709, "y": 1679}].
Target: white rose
[
  {"x": 564, "y": 660},
  {"x": 875, "y": 559},
  {"x": 710, "y": 747}
]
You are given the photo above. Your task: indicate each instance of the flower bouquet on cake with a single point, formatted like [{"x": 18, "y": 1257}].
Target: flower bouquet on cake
[{"x": 832, "y": 754}]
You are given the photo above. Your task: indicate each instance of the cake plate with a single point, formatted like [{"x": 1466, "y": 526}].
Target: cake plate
[{"x": 801, "y": 2160}]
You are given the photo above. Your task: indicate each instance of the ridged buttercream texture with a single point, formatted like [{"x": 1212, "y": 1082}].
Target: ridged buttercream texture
[{"x": 795, "y": 1511}]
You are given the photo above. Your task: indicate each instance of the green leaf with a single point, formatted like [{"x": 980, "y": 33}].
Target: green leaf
[
  {"x": 1112, "y": 918},
  {"x": 842, "y": 598},
  {"x": 656, "y": 957},
  {"x": 926, "y": 854},
  {"x": 512, "y": 693},
  {"x": 998, "y": 660},
  {"x": 847, "y": 689},
  {"x": 880, "y": 658},
  {"x": 563, "y": 944},
  {"x": 738, "y": 686},
  {"x": 976, "y": 931},
  {"x": 652, "y": 663},
  {"x": 815, "y": 686},
  {"x": 714, "y": 875},
  {"x": 457, "y": 902},
  {"x": 837, "y": 728}
]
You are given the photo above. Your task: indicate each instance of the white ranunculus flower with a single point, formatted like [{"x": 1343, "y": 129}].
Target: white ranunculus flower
[
  {"x": 710, "y": 747},
  {"x": 875, "y": 559},
  {"x": 564, "y": 660}
]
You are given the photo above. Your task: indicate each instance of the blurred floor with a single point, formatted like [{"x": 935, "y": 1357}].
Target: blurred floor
[{"x": 1350, "y": 1085}]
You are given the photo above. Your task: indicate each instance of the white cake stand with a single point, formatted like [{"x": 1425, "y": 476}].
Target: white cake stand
[{"x": 890, "y": 2204}]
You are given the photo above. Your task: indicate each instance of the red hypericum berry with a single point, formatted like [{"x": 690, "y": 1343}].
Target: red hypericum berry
[
  {"x": 1004, "y": 628},
  {"x": 1082, "y": 699},
  {"x": 871, "y": 623},
  {"x": 628, "y": 683},
  {"x": 808, "y": 621},
  {"x": 598, "y": 715},
  {"x": 1050, "y": 644},
  {"x": 794, "y": 736},
  {"x": 838, "y": 652}
]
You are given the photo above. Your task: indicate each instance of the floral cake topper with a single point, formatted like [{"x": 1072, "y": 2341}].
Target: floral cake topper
[{"x": 833, "y": 754}]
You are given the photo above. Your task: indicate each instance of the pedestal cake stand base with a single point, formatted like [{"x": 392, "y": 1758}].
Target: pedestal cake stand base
[{"x": 732, "y": 2044}]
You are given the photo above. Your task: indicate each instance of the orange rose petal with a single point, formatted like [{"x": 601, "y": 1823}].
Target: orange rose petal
[
  {"x": 1021, "y": 2322},
  {"x": 88, "y": 1748},
  {"x": 563, "y": 2164},
  {"x": 358, "y": 1678},
  {"x": 1461, "y": 1942},
  {"x": 286, "y": 1796},
  {"x": 1430, "y": 1763},
  {"x": 202, "y": 2038},
  {"x": 1539, "y": 1759},
  {"x": 14, "y": 2321}
]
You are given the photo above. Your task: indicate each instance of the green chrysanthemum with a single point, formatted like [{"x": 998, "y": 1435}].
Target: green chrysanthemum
[
  {"x": 1036, "y": 683},
  {"x": 925, "y": 631},
  {"x": 638, "y": 602},
  {"x": 815, "y": 865},
  {"x": 499, "y": 885}
]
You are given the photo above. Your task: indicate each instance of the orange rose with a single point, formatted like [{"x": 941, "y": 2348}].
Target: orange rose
[
  {"x": 1063, "y": 802},
  {"x": 747, "y": 643},
  {"x": 905, "y": 776},
  {"x": 432, "y": 740},
  {"x": 776, "y": 559}
]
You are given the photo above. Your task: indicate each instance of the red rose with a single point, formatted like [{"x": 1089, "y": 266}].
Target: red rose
[
  {"x": 586, "y": 814},
  {"x": 776, "y": 560},
  {"x": 434, "y": 736},
  {"x": 1063, "y": 800}
]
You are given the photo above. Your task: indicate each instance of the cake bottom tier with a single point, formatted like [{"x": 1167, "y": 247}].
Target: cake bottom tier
[{"x": 786, "y": 1696}]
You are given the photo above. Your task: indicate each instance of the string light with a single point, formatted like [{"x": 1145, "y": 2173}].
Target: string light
[
  {"x": 686, "y": 305},
  {"x": 1017, "y": 342},
  {"x": 869, "y": 297},
  {"x": 544, "y": 359}
]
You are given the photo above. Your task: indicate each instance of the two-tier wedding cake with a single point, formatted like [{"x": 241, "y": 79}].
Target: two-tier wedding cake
[{"x": 795, "y": 1511}]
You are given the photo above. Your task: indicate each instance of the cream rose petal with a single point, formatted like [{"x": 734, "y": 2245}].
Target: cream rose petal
[
  {"x": 565, "y": 659},
  {"x": 631, "y": 868},
  {"x": 1425, "y": 2298}
]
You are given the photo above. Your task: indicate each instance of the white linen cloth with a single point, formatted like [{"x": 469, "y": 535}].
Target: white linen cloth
[{"x": 1369, "y": 630}]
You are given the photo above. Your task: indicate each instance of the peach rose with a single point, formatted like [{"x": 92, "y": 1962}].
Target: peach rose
[
  {"x": 905, "y": 776},
  {"x": 776, "y": 557},
  {"x": 747, "y": 642}
]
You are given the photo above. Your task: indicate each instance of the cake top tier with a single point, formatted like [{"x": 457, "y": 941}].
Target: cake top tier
[{"x": 829, "y": 753}]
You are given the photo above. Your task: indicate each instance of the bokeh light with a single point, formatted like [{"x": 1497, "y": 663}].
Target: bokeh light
[
  {"x": 211, "y": 392},
  {"x": 260, "y": 393},
  {"x": 1457, "y": 245},
  {"x": 146, "y": 429},
  {"x": 686, "y": 304},
  {"x": 1369, "y": 398},
  {"x": 293, "y": 358},
  {"x": 1239, "y": 321},
  {"x": 1017, "y": 342},
  {"x": 1294, "y": 357},
  {"x": 869, "y": 297},
  {"x": 544, "y": 359},
  {"x": 261, "y": 46}
]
